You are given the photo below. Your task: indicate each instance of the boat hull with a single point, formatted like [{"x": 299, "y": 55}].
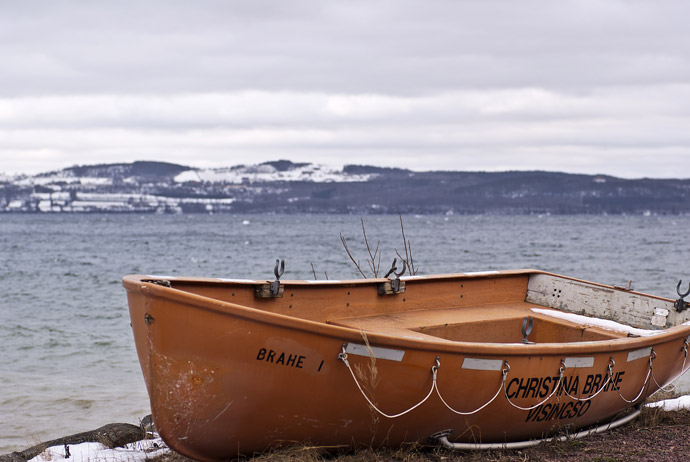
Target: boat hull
[{"x": 226, "y": 380}]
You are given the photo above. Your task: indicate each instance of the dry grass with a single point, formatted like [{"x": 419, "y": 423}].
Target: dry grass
[{"x": 656, "y": 435}]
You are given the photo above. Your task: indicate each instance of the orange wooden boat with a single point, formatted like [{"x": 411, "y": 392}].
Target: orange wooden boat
[{"x": 235, "y": 367}]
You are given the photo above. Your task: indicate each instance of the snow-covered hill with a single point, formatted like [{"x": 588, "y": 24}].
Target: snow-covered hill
[
  {"x": 286, "y": 187},
  {"x": 271, "y": 171},
  {"x": 159, "y": 186}
]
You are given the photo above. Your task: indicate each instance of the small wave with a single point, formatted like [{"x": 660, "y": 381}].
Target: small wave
[
  {"x": 75, "y": 402},
  {"x": 19, "y": 331}
]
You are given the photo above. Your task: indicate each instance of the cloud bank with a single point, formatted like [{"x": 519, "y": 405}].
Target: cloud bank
[{"x": 578, "y": 86}]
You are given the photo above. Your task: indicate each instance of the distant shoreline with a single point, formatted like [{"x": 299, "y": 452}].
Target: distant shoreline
[
  {"x": 354, "y": 214},
  {"x": 284, "y": 187}
]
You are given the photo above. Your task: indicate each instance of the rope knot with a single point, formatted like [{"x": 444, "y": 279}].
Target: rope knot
[
  {"x": 342, "y": 355},
  {"x": 435, "y": 367},
  {"x": 506, "y": 368}
]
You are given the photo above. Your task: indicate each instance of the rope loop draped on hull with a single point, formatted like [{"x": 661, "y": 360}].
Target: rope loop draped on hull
[{"x": 342, "y": 356}]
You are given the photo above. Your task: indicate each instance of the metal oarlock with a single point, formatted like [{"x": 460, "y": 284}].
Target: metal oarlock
[
  {"x": 394, "y": 285},
  {"x": 272, "y": 289},
  {"x": 527, "y": 325},
  {"x": 275, "y": 285},
  {"x": 681, "y": 304}
]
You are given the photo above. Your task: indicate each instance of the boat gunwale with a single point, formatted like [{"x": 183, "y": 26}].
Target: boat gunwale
[{"x": 143, "y": 284}]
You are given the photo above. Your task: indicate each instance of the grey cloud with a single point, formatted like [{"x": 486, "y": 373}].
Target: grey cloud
[
  {"x": 395, "y": 47},
  {"x": 596, "y": 86}
]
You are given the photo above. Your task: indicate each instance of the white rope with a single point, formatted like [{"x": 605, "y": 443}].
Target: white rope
[
  {"x": 502, "y": 386},
  {"x": 673, "y": 385},
  {"x": 603, "y": 385},
  {"x": 438, "y": 392},
  {"x": 644, "y": 385},
  {"x": 343, "y": 357},
  {"x": 560, "y": 381}
]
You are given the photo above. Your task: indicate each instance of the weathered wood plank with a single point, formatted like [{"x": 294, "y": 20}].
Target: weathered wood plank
[{"x": 604, "y": 302}]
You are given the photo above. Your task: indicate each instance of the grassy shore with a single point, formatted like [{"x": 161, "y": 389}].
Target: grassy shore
[{"x": 655, "y": 435}]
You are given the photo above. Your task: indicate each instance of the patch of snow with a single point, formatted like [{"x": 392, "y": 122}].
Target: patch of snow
[
  {"x": 597, "y": 322},
  {"x": 139, "y": 451},
  {"x": 265, "y": 173},
  {"x": 412, "y": 278},
  {"x": 52, "y": 179},
  {"x": 187, "y": 176},
  {"x": 96, "y": 181},
  {"x": 250, "y": 281},
  {"x": 674, "y": 404},
  {"x": 97, "y": 204}
]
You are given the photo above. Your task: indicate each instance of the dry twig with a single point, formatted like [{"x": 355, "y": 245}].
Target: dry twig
[
  {"x": 349, "y": 254},
  {"x": 373, "y": 264},
  {"x": 374, "y": 261},
  {"x": 409, "y": 261}
]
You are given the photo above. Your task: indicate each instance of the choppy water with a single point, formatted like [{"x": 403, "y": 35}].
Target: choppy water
[{"x": 67, "y": 359}]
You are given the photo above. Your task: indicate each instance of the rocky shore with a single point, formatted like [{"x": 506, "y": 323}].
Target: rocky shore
[{"x": 113, "y": 435}]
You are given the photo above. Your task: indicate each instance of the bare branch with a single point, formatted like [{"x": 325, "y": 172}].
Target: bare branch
[
  {"x": 409, "y": 261},
  {"x": 413, "y": 270},
  {"x": 349, "y": 254},
  {"x": 372, "y": 257},
  {"x": 402, "y": 230},
  {"x": 378, "y": 263}
]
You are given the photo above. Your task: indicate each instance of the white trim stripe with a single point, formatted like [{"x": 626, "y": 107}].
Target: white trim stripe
[
  {"x": 572, "y": 362},
  {"x": 378, "y": 352},
  {"x": 479, "y": 364},
  {"x": 641, "y": 353}
]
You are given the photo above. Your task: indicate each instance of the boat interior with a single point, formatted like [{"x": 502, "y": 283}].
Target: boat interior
[{"x": 493, "y": 308}]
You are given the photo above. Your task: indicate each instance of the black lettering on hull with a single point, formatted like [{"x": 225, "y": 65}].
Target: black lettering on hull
[
  {"x": 282, "y": 358},
  {"x": 558, "y": 411}
]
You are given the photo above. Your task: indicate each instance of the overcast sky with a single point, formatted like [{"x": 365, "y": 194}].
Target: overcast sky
[{"x": 578, "y": 86}]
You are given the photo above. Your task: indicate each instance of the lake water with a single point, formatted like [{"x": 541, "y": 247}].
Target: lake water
[{"x": 67, "y": 358}]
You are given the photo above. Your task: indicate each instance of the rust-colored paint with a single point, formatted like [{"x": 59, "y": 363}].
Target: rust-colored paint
[{"x": 231, "y": 374}]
